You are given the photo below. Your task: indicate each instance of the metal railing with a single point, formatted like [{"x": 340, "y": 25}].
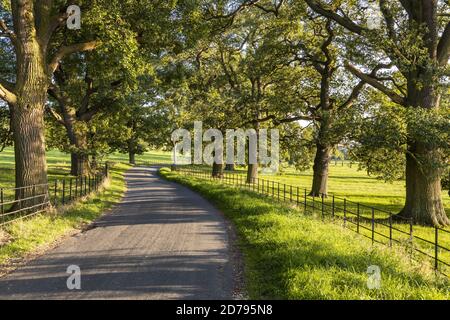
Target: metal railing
[
  {"x": 380, "y": 226},
  {"x": 25, "y": 202}
]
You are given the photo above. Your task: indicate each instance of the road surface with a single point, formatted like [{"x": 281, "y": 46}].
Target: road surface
[{"x": 162, "y": 241}]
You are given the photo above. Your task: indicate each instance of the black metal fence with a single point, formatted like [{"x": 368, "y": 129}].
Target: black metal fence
[
  {"x": 380, "y": 226},
  {"x": 21, "y": 203}
]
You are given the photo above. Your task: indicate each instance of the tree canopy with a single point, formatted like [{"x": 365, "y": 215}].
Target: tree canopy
[{"x": 373, "y": 76}]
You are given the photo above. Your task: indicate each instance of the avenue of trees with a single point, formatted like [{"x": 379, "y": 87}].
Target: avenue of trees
[{"x": 322, "y": 72}]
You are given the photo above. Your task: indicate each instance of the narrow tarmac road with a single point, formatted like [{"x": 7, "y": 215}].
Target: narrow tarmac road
[{"x": 162, "y": 241}]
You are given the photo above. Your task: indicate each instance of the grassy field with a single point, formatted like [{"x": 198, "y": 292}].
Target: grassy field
[
  {"x": 348, "y": 182},
  {"x": 355, "y": 185},
  {"x": 289, "y": 255},
  {"x": 345, "y": 180},
  {"x": 59, "y": 163},
  {"x": 354, "y": 217}
]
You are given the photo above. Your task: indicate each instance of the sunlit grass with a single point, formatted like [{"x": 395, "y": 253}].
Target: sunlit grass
[
  {"x": 289, "y": 255},
  {"x": 355, "y": 185}
]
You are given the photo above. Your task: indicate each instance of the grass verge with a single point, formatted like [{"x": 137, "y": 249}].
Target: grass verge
[
  {"x": 292, "y": 256},
  {"x": 30, "y": 236}
]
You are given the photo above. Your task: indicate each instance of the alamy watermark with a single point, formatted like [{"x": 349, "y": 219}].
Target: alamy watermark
[
  {"x": 74, "y": 280},
  {"x": 374, "y": 278},
  {"x": 74, "y": 17},
  {"x": 236, "y": 143}
]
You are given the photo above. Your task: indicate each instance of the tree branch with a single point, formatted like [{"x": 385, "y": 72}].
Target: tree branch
[
  {"x": 444, "y": 47},
  {"x": 275, "y": 10},
  {"x": 357, "y": 90},
  {"x": 7, "y": 95},
  {"x": 277, "y": 121},
  {"x": 56, "y": 22},
  {"x": 347, "y": 23},
  {"x": 61, "y": 100},
  {"x": 233, "y": 13},
  {"x": 7, "y": 32},
  {"x": 376, "y": 84},
  {"x": 8, "y": 85},
  {"x": 389, "y": 18},
  {"x": 90, "y": 90},
  {"x": 54, "y": 115},
  {"x": 67, "y": 50},
  {"x": 85, "y": 113},
  {"x": 408, "y": 6}
]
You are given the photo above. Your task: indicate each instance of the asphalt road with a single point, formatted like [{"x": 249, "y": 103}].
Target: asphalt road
[{"x": 162, "y": 242}]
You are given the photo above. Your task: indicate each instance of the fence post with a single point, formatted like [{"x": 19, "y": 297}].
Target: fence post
[
  {"x": 411, "y": 230},
  {"x": 33, "y": 192},
  {"x": 357, "y": 218},
  {"x": 70, "y": 189},
  {"x": 21, "y": 196},
  {"x": 290, "y": 192},
  {"x": 345, "y": 213},
  {"x": 2, "y": 208},
  {"x": 278, "y": 191},
  {"x": 298, "y": 196},
  {"x": 284, "y": 192},
  {"x": 106, "y": 170},
  {"x": 333, "y": 209},
  {"x": 373, "y": 225},
  {"x": 90, "y": 183},
  {"x": 76, "y": 187},
  {"x": 306, "y": 198},
  {"x": 63, "y": 191},
  {"x": 390, "y": 230},
  {"x": 56, "y": 187},
  {"x": 436, "y": 249},
  {"x": 323, "y": 203},
  {"x": 313, "y": 203}
]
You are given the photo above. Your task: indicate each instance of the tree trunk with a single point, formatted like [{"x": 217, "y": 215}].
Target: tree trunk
[
  {"x": 28, "y": 111},
  {"x": 217, "y": 170},
  {"x": 252, "y": 173},
  {"x": 79, "y": 164},
  {"x": 132, "y": 157},
  {"x": 79, "y": 157},
  {"x": 423, "y": 190},
  {"x": 230, "y": 167},
  {"x": 321, "y": 167},
  {"x": 423, "y": 175},
  {"x": 132, "y": 149},
  {"x": 93, "y": 165},
  {"x": 29, "y": 148}
]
